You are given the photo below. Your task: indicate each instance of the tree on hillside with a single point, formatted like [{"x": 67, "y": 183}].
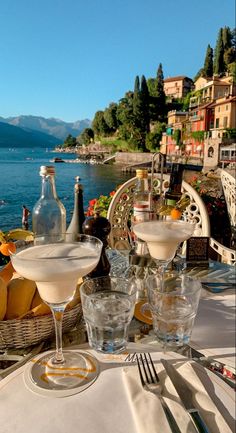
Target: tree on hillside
[
  {"x": 110, "y": 117},
  {"x": 226, "y": 38},
  {"x": 136, "y": 85},
  {"x": 160, "y": 84},
  {"x": 208, "y": 64},
  {"x": 144, "y": 95},
  {"x": 137, "y": 102},
  {"x": 219, "y": 63},
  {"x": 86, "y": 136},
  {"x": 99, "y": 125},
  {"x": 141, "y": 111},
  {"x": 125, "y": 117},
  {"x": 154, "y": 137},
  {"x": 70, "y": 141},
  {"x": 157, "y": 100}
]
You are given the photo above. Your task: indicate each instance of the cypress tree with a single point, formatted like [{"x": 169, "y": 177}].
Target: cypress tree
[
  {"x": 137, "y": 102},
  {"x": 227, "y": 38},
  {"x": 144, "y": 94},
  {"x": 140, "y": 112},
  {"x": 160, "y": 94},
  {"x": 208, "y": 64},
  {"x": 219, "y": 64},
  {"x": 229, "y": 41},
  {"x": 137, "y": 113},
  {"x": 136, "y": 85}
]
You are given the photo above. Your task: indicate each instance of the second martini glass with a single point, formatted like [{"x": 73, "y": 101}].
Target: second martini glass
[
  {"x": 56, "y": 266},
  {"x": 163, "y": 239}
]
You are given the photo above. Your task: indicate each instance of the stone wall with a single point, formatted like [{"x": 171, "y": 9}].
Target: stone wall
[
  {"x": 211, "y": 153},
  {"x": 127, "y": 158}
]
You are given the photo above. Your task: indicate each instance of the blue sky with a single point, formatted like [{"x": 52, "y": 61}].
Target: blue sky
[{"x": 70, "y": 58}]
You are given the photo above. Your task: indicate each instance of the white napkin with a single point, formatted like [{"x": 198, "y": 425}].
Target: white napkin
[
  {"x": 148, "y": 413},
  {"x": 214, "y": 328},
  {"x": 146, "y": 407}
]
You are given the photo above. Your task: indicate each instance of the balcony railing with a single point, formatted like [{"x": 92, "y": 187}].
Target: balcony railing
[{"x": 196, "y": 117}]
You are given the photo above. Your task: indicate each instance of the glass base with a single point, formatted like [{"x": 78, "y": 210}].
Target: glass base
[
  {"x": 164, "y": 346},
  {"x": 77, "y": 373}
]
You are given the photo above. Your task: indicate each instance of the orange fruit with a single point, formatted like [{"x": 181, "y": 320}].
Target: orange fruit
[
  {"x": 7, "y": 248},
  {"x": 175, "y": 214}
]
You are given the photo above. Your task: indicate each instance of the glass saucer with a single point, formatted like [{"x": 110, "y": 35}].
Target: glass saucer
[{"x": 44, "y": 378}]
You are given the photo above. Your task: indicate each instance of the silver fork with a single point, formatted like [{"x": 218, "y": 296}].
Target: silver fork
[
  {"x": 131, "y": 357},
  {"x": 150, "y": 382}
]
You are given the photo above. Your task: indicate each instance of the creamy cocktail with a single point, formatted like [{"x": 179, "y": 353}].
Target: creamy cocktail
[
  {"x": 56, "y": 265},
  {"x": 56, "y": 268},
  {"x": 163, "y": 237}
]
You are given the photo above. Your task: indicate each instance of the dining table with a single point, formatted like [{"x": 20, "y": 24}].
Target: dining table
[{"x": 116, "y": 402}]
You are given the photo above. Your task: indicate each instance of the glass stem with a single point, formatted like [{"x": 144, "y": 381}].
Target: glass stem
[
  {"x": 58, "y": 313},
  {"x": 161, "y": 271},
  {"x": 162, "y": 266}
]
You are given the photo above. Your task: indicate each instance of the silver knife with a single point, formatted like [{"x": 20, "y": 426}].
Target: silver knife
[
  {"x": 211, "y": 364},
  {"x": 185, "y": 395}
]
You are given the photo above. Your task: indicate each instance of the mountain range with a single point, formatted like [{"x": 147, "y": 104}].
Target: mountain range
[{"x": 29, "y": 131}]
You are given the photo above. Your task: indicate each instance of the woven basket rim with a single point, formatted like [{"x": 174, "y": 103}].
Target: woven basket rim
[
  {"x": 35, "y": 318},
  {"x": 20, "y": 333}
]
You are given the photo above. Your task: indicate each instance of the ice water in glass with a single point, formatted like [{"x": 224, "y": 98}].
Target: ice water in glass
[
  {"x": 108, "y": 308},
  {"x": 174, "y": 307}
]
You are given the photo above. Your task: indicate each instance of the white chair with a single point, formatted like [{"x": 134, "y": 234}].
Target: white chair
[
  {"x": 227, "y": 255},
  {"x": 229, "y": 187},
  {"x": 121, "y": 207}
]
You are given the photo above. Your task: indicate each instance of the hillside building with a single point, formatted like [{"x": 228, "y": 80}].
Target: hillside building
[
  {"x": 204, "y": 128},
  {"x": 177, "y": 87}
]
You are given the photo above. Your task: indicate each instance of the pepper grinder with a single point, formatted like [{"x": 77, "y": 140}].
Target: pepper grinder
[{"x": 99, "y": 227}]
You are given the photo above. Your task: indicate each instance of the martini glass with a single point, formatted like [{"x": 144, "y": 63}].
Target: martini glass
[
  {"x": 56, "y": 265},
  {"x": 163, "y": 239}
]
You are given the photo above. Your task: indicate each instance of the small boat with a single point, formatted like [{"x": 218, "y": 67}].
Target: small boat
[{"x": 55, "y": 160}]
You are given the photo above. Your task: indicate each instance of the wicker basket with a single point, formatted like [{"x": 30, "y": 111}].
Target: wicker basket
[{"x": 20, "y": 333}]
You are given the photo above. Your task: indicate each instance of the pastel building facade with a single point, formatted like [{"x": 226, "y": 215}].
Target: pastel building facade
[
  {"x": 203, "y": 129},
  {"x": 178, "y": 87}
]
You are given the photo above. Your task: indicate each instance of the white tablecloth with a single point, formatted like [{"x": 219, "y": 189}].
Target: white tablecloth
[
  {"x": 105, "y": 406},
  {"x": 214, "y": 328}
]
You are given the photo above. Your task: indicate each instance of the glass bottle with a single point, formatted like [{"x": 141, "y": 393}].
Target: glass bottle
[
  {"x": 173, "y": 194},
  {"x": 141, "y": 208},
  {"x": 99, "y": 227},
  {"x": 142, "y": 197},
  {"x": 49, "y": 214},
  {"x": 78, "y": 217}
]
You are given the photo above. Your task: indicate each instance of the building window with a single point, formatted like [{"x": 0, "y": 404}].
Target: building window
[
  {"x": 218, "y": 109},
  {"x": 225, "y": 122},
  {"x": 226, "y": 108},
  {"x": 210, "y": 152},
  {"x": 217, "y": 123}
]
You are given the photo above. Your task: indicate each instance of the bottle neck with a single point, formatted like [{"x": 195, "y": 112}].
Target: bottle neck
[
  {"x": 78, "y": 213},
  {"x": 48, "y": 187}
]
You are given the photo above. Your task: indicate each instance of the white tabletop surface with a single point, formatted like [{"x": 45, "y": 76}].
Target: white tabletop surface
[{"x": 104, "y": 407}]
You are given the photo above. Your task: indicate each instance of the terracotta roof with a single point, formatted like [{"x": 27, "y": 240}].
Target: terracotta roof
[{"x": 178, "y": 78}]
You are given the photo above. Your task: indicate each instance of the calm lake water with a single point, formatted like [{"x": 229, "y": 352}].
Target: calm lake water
[{"x": 21, "y": 184}]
